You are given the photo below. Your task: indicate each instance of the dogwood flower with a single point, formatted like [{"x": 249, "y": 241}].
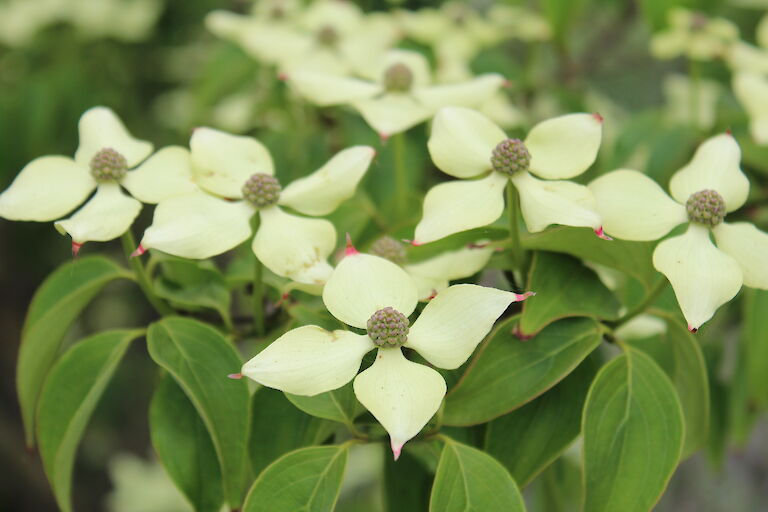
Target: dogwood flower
[
  {"x": 433, "y": 275},
  {"x": 683, "y": 96},
  {"x": 703, "y": 276},
  {"x": 751, "y": 89},
  {"x": 49, "y": 187},
  {"x": 694, "y": 35},
  {"x": 466, "y": 144},
  {"x": 398, "y": 95},
  {"x": 743, "y": 56},
  {"x": 371, "y": 293},
  {"x": 235, "y": 175}
]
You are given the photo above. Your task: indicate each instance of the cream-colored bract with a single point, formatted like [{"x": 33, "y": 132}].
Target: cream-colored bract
[
  {"x": 693, "y": 35},
  {"x": 433, "y": 275},
  {"x": 751, "y": 89},
  {"x": 462, "y": 143},
  {"x": 401, "y": 394},
  {"x": 208, "y": 222},
  {"x": 703, "y": 276},
  {"x": 52, "y": 186}
]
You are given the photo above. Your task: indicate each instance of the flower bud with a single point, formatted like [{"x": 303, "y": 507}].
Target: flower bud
[
  {"x": 388, "y": 328},
  {"x": 390, "y": 249},
  {"x": 510, "y": 156},
  {"x": 262, "y": 190},
  {"x": 706, "y": 207},
  {"x": 398, "y": 78},
  {"x": 327, "y": 36},
  {"x": 107, "y": 165}
]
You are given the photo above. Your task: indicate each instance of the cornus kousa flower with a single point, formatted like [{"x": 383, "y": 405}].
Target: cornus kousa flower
[
  {"x": 49, "y": 187},
  {"x": 399, "y": 94},
  {"x": 703, "y": 276},
  {"x": 374, "y": 294},
  {"x": 694, "y": 35},
  {"x": 751, "y": 89},
  {"x": 236, "y": 179},
  {"x": 433, "y": 275},
  {"x": 466, "y": 144}
]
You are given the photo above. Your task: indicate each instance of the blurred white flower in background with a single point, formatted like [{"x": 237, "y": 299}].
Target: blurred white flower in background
[{"x": 694, "y": 35}]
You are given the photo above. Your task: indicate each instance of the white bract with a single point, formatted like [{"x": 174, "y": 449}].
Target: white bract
[
  {"x": 464, "y": 142},
  {"x": 703, "y": 276},
  {"x": 692, "y": 102},
  {"x": 235, "y": 176},
  {"x": 694, "y": 35},
  {"x": 49, "y": 187},
  {"x": 398, "y": 93},
  {"x": 369, "y": 292},
  {"x": 751, "y": 89}
]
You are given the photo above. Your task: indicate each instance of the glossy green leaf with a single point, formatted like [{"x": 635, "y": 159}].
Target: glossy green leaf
[
  {"x": 192, "y": 285},
  {"x": 677, "y": 352},
  {"x": 753, "y": 342},
  {"x": 56, "y": 304},
  {"x": 632, "y": 258},
  {"x": 633, "y": 435},
  {"x": 507, "y": 372},
  {"x": 184, "y": 446},
  {"x": 406, "y": 483},
  {"x": 558, "y": 488},
  {"x": 68, "y": 399},
  {"x": 531, "y": 437},
  {"x": 468, "y": 479},
  {"x": 278, "y": 427},
  {"x": 307, "y": 479},
  {"x": 199, "y": 359},
  {"x": 564, "y": 287},
  {"x": 338, "y": 405}
]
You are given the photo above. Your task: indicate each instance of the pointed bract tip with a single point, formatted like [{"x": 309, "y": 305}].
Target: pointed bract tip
[
  {"x": 598, "y": 117},
  {"x": 432, "y": 295},
  {"x": 601, "y": 234},
  {"x": 139, "y": 251},
  {"x": 507, "y": 83},
  {"x": 76, "y": 248},
  {"x": 414, "y": 243},
  {"x": 235, "y": 376},
  {"x": 384, "y": 137},
  {"x": 522, "y": 296},
  {"x": 350, "y": 249},
  {"x": 283, "y": 298},
  {"x": 729, "y": 132},
  {"x": 396, "y": 449},
  {"x": 282, "y": 76},
  {"x": 692, "y": 328}
]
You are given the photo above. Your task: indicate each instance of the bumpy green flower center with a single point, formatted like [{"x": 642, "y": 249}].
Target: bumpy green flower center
[
  {"x": 262, "y": 190},
  {"x": 398, "y": 78},
  {"x": 327, "y": 36},
  {"x": 388, "y": 328},
  {"x": 389, "y": 248},
  {"x": 108, "y": 165},
  {"x": 706, "y": 207},
  {"x": 510, "y": 156}
]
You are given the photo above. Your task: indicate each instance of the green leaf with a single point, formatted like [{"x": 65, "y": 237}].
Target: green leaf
[
  {"x": 68, "y": 399},
  {"x": 558, "y": 488},
  {"x": 633, "y": 435},
  {"x": 564, "y": 287},
  {"x": 191, "y": 285},
  {"x": 453, "y": 242},
  {"x": 632, "y": 258},
  {"x": 56, "y": 304},
  {"x": 184, "y": 447},
  {"x": 338, "y": 405},
  {"x": 507, "y": 372},
  {"x": 199, "y": 359},
  {"x": 754, "y": 345},
  {"x": 307, "y": 479},
  {"x": 406, "y": 484},
  {"x": 655, "y": 12},
  {"x": 468, "y": 479},
  {"x": 677, "y": 352},
  {"x": 528, "y": 439},
  {"x": 278, "y": 427},
  {"x": 319, "y": 316},
  {"x": 561, "y": 15}
]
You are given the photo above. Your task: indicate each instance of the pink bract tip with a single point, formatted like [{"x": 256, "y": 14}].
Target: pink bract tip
[
  {"x": 523, "y": 296},
  {"x": 601, "y": 234},
  {"x": 138, "y": 252},
  {"x": 350, "y": 249},
  {"x": 396, "y": 449},
  {"x": 599, "y": 118},
  {"x": 411, "y": 242},
  {"x": 692, "y": 328},
  {"x": 507, "y": 83},
  {"x": 729, "y": 132},
  {"x": 235, "y": 376},
  {"x": 282, "y": 76},
  {"x": 474, "y": 245},
  {"x": 432, "y": 295},
  {"x": 283, "y": 298},
  {"x": 76, "y": 248},
  {"x": 384, "y": 137}
]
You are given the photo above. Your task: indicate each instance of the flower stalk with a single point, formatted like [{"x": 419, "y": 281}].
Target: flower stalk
[
  {"x": 142, "y": 278},
  {"x": 516, "y": 250},
  {"x": 258, "y": 287}
]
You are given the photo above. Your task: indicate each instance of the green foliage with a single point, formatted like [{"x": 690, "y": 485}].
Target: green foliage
[
  {"x": 338, "y": 405},
  {"x": 508, "y": 372},
  {"x": 199, "y": 360},
  {"x": 183, "y": 444},
  {"x": 754, "y": 346},
  {"x": 406, "y": 483},
  {"x": 469, "y": 479},
  {"x": 306, "y": 479},
  {"x": 564, "y": 287},
  {"x": 57, "y": 303},
  {"x": 633, "y": 435},
  {"x": 68, "y": 399}
]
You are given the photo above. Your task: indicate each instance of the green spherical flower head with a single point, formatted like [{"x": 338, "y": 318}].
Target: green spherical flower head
[
  {"x": 398, "y": 78},
  {"x": 262, "y": 190},
  {"x": 706, "y": 207},
  {"x": 510, "y": 156},
  {"x": 107, "y": 165},
  {"x": 327, "y": 36},
  {"x": 389, "y": 248},
  {"x": 388, "y": 328}
]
